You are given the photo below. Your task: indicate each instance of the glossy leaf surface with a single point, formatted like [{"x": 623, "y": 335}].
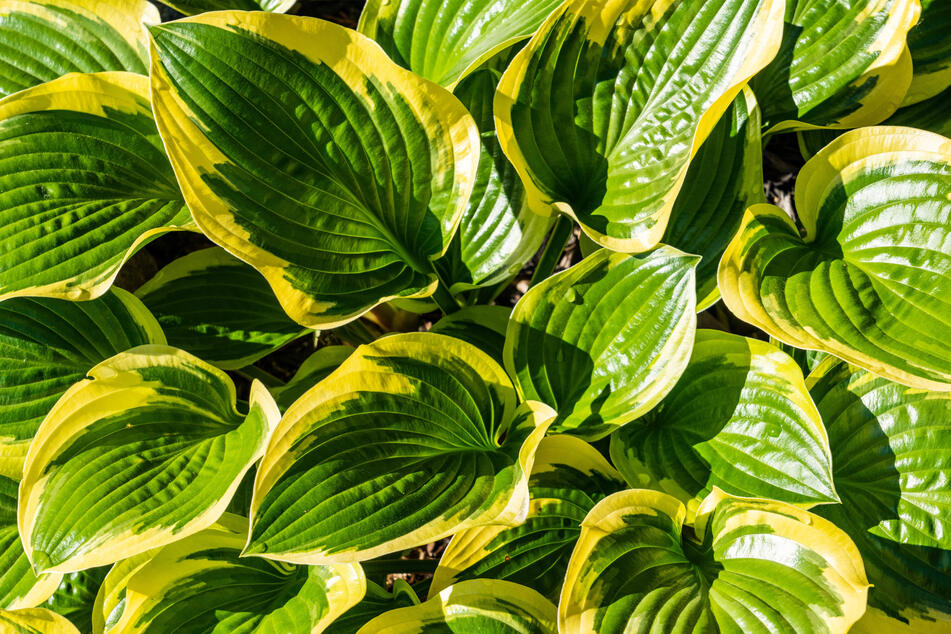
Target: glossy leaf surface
[
  {"x": 739, "y": 418},
  {"x": 754, "y": 566},
  {"x": 200, "y": 584},
  {"x": 604, "y": 341},
  {"x": 890, "y": 444},
  {"x": 84, "y": 182},
  {"x": 414, "y": 437},
  {"x": 444, "y": 41},
  {"x": 146, "y": 450},
  {"x": 218, "y": 308},
  {"x": 46, "y": 345},
  {"x": 869, "y": 277},
  {"x": 343, "y": 194},
  {"x": 723, "y": 180},
  {"x": 603, "y": 110},
  {"x": 472, "y": 607},
  {"x": 568, "y": 479},
  {"x": 930, "y": 45},
  {"x": 498, "y": 233},
  {"x": 841, "y": 65}
]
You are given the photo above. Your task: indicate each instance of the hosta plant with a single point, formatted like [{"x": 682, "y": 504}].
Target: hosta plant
[{"x": 475, "y": 316}]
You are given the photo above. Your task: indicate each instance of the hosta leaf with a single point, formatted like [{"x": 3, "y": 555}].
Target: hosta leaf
[
  {"x": 200, "y": 584},
  {"x": 146, "y": 450},
  {"x": 354, "y": 181},
  {"x": 930, "y": 45},
  {"x": 842, "y": 64},
  {"x": 218, "y": 308},
  {"x": 414, "y": 437},
  {"x": 723, "y": 180},
  {"x": 568, "y": 479},
  {"x": 76, "y": 596},
  {"x": 890, "y": 445},
  {"x": 111, "y": 598},
  {"x": 445, "y": 41},
  {"x": 46, "y": 345},
  {"x": 374, "y": 603},
  {"x": 755, "y": 566},
  {"x": 869, "y": 278},
  {"x": 498, "y": 233},
  {"x": 19, "y": 586},
  {"x": 740, "y": 418},
  {"x": 473, "y": 607},
  {"x": 41, "y": 40},
  {"x": 193, "y": 7},
  {"x": 84, "y": 182},
  {"x": 604, "y": 341},
  {"x": 35, "y": 621},
  {"x": 604, "y": 108},
  {"x": 482, "y": 326},
  {"x": 312, "y": 371}
]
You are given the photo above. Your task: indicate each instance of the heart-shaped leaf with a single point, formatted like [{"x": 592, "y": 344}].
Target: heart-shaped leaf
[
  {"x": 604, "y": 341},
  {"x": 472, "y": 607},
  {"x": 200, "y": 584},
  {"x": 739, "y": 418},
  {"x": 869, "y": 277},
  {"x": 146, "y": 450},
  {"x": 46, "y": 345},
  {"x": 890, "y": 453},
  {"x": 568, "y": 479},
  {"x": 41, "y": 40},
  {"x": 218, "y": 308},
  {"x": 748, "y": 566},
  {"x": 723, "y": 180},
  {"x": 891, "y": 467},
  {"x": 354, "y": 181},
  {"x": 413, "y": 438},
  {"x": 84, "y": 182},
  {"x": 603, "y": 110},
  {"x": 445, "y": 41},
  {"x": 842, "y": 64}
]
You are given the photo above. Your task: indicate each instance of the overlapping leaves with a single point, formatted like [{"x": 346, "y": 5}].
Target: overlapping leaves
[
  {"x": 84, "y": 182},
  {"x": 200, "y": 584},
  {"x": 414, "y": 437},
  {"x": 739, "y": 418},
  {"x": 160, "y": 423},
  {"x": 869, "y": 276},
  {"x": 604, "y": 341},
  {"x": 634, "y": 565},
  {"x": 602, "y": 111},
  {"x": 41, "y": 40}
]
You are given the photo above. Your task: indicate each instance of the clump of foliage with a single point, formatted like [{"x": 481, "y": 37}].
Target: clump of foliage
[{"x": 600, "y": 462}]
